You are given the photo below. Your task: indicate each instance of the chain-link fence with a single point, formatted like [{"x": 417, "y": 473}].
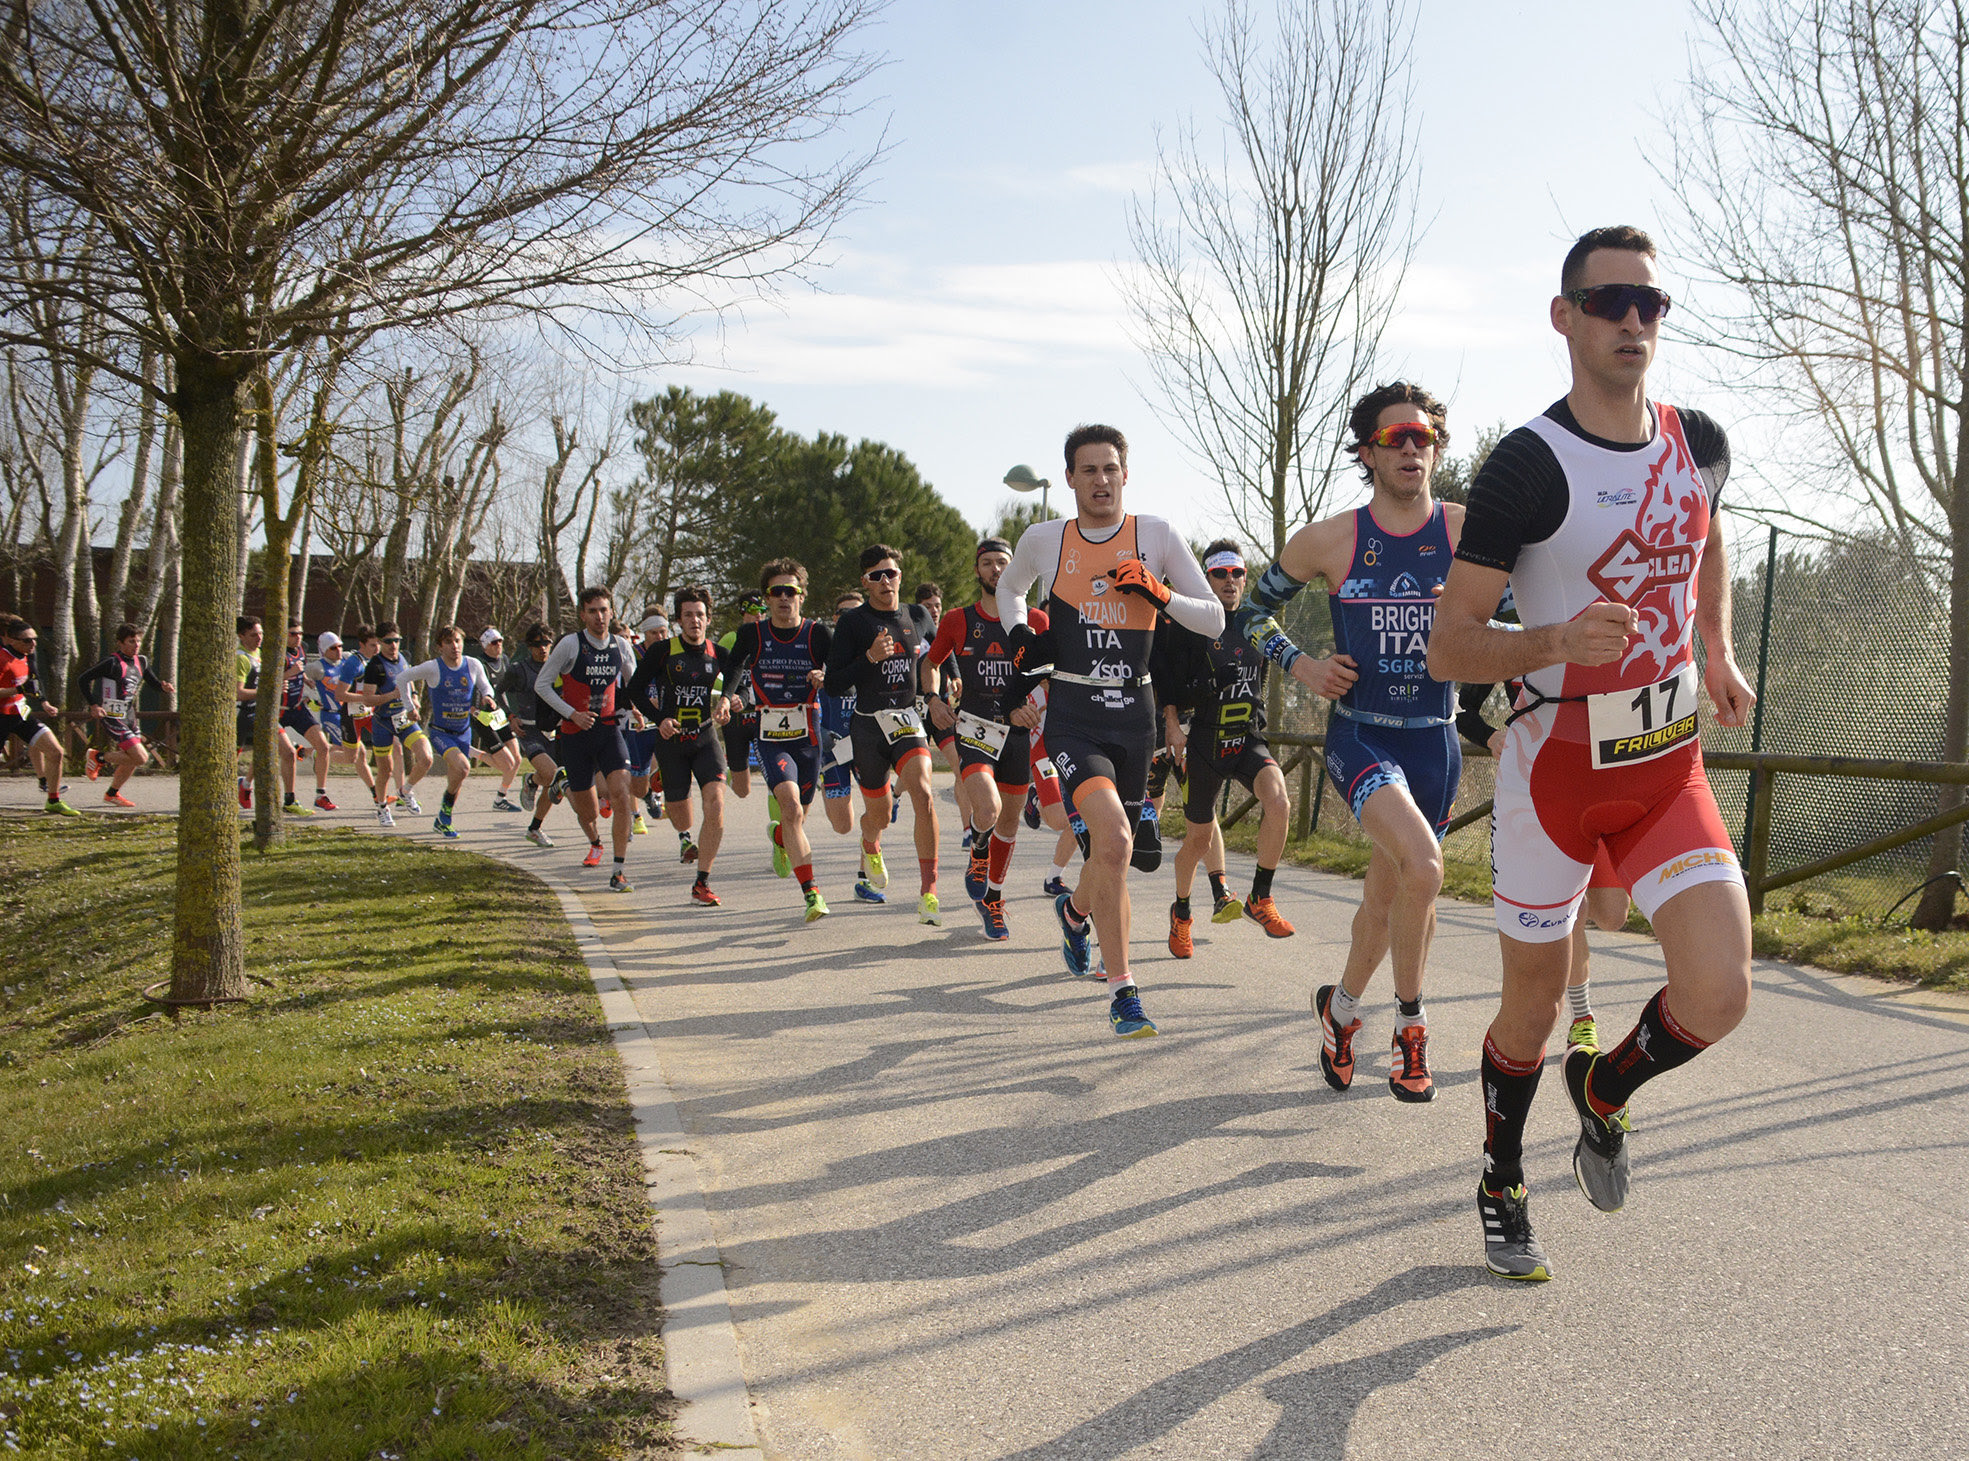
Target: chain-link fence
[{"x": 1853, "y": 645}]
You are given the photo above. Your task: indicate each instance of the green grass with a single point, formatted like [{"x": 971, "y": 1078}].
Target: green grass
[{"x": 390, "y": 1208}]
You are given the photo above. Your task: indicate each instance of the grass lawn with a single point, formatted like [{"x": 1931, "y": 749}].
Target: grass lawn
[{"x": 391, "y": 1208}]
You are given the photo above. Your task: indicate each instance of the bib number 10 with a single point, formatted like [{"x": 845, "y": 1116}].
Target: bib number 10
[{"x": 1629, "y": 726}]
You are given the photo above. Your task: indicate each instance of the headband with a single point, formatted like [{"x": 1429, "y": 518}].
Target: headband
[{"x": 1229, "y": 558}]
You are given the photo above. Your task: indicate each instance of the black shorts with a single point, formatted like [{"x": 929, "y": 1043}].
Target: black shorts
[
  {"x": 1211, "y": 765},
  {"x": 116, "y": 731},
  {"x": 536, "y": 742},
  {"x": 489, "y": 740},
  {"x": 876, "y": 755},
  {"x": 680, "y": 761},
  {"x": 797, "y": 762},
  {"x": 243, "y": 729},
  {"x": 738, "y": 736},
  {"x": 20, "y": 726},
  {"x": 1117, "y": 753},
  {"x": 1011, "y": 768},
  {"x": 597, "y": 751},
  {"x": 300, "y": 720}
]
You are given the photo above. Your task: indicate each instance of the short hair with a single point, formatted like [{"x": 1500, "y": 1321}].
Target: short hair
[
  {"x": 386, "y": 627},
  {"x": 362, "y": 632},
  {"x": 695, "y": 593},
  {"x": 874, "y": 553},
  {"x": 127, "y": 631},
  {"x": 1365, "y": 418},
  {"x": 450, "y": 631},
  {"x": 928, "y": 589},
  {"x": 1092, "y": 435},
  {"x": 13, "y": 626},
  {"x": 292, "y": 625},
  {"x": 594, "y": 592},
  {"x": 247, "y": 621},
  {"x": 848, "y": 598},
  {"x": 782, "y": 568},
  {"x": 1622, "y": 236},
  {"x": 538, "y": 633},
  {"x": 1222, "y": 545}
]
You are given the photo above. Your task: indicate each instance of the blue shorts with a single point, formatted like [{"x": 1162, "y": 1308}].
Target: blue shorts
[
  {"x": 333, "y": 730},
  {"x": 794, "y": 761},
  {"x": 597, "y": 751},
  {"x": 298, "y": 719},
  {"x": 641, "y": 746},
  {"x": 460, "y": 740},
  {"x": 1426, "y": 762},
  {"x": 383, "y": 731}
]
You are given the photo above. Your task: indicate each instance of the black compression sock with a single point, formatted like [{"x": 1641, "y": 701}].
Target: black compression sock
[
  {"x": 534, "y": 825},
  {"x": 1182, "y": 908},
  {"x": 1656, "y": 1044},
  {"x": 1509, "y": 1086},
  {"x": 1409, "y": 1007},
  {"x": 1219, "y": 889},
  {"x": 1261, "y": 882},
  {"x": 703, "y": 878},
  {"x": 447, "y": 801}
]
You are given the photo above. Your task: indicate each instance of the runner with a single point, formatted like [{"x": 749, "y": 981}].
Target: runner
[
  {"x": 357, "y": 717},
  {"x": 110, "y": 691},
  {"x": 493, "y": 739},
  {"x": 457, "y": 686},
  {"x": 298, "y": 718},
  {"x": 1390, "y": 741},
  {"x": 20, "y": 687},
  {"x": 1221, "y": 681},
  {"x": 943, "y": 732},
  {"x": 837, "y": 754},
  {"x": 1166, "y": 778},
  {"x": 1105, "y": 577},
  {"x": 743, "y": 727},
  {"x": 541, "y": 792},
  {"x": 246, "y": 673},
  {"x": 691, "y": 707},
  {"x": 878, "y": 653},
  {"x": 393, "y": 721},
  {"x": 640, "y": 738},
  {"x": 337, "y": 669},
  {"x": 994, "y": 756},
  {"x": 580, "y": 678},
  {"x": 785, "y": 656},
  {"x": 1601, "y": 513}
]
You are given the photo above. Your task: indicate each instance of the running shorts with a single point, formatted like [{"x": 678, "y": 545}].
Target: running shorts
[
  {"x": 300, "y": 720},
  {"x": 641, "y": 745},
  {"x": 1045, "y": 776},
  {"x": 383, "y": 731},
  {"x": 1425, "y": 761},
  {"x": 444, "y": 741},
  {"x": 242, "y": 725},
  {"x": 116, "y": 730},
  {"x": 1656, "y": 820},
  {"x": 1210, "y": 765},
  {"x": 701, "y": 760},
  {"x": 534, "y": 742},
  {"x": 20, "y": 726},
  {"x": 738, "y": 736},
  {"x": 597, "y": 751},
  {"x": 797, "y": 762},
  {"x": 1116, "y": 754},
  {"x": 487, "y": 739},
  {"x": 876, "y": 755},
  {"x": 836, "y": 779},
  {"x": 1011, "y": 768},
  {"x": 333, "y": 731}
]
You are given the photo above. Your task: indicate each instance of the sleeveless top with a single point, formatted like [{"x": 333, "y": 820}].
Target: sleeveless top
[
  {"x": 1097, "y": 634},
  {"x": 451, "y": 697},
  {"x": 1382, "y": 615},
  {"x": 779, "y": 674}
]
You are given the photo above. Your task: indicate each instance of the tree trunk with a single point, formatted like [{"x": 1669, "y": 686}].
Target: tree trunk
[
  {"x": 269, "y": 826},
  {"x": 1937, "y": 904},
  {"x": 208, "y": 951},
  {"x": 161, "y": 558},
  {"x": 116, "y": 599},
  {"x": 303, "y": 561},
  {"x": 59, "y": 659}
]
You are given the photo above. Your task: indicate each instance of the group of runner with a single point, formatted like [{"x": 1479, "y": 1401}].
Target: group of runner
[{"x": 1587, "y": 557}]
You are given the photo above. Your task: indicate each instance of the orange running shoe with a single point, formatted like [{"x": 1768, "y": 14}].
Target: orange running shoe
[
  {"x": 1336, "y": 1041},
  {"x": 701, "y": 893},
  {"x": 1179, "y": 935},
  {"x": 92, "y": 764},
  {"x": 117, "y": 799},
  {"x": 594, "y": 857},
  {"x": 1410, "y": 1079},
  {"x": 1264, "y": 912}
]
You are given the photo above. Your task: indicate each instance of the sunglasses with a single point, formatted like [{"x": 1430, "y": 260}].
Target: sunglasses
[
  {"x": 785, "y": 590},
  {"x": 1405, "y": 433},
  {"x": 882, "y": 575},
  {"x": 1222, "y": 573},
  {"x": 1613, "y": 301},
  {"x": 390, "y": 639}
]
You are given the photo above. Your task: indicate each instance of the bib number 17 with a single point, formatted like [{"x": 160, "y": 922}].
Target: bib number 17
[{"x": 1630, "y": 726}]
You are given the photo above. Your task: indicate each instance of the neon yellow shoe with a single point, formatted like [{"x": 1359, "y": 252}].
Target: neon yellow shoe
[
  {"x": 927, "y": 912},
  {"x": 782, "y": 864},
  {"x": 872, "y": 871},
  {"x": 1584, "y": 1034},
  {"x": 639, "y": 828},
  {"x": 816, "y": 906},
  {"x": 1227, "y": 910}
]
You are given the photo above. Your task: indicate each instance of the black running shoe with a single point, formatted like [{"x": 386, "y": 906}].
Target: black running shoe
[
  {"x": 1599, "y": 1157},
  {"x": 1510, "y": 1248}
]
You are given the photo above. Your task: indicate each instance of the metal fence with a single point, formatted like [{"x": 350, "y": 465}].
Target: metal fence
[{"x": 1851, "y": 645}]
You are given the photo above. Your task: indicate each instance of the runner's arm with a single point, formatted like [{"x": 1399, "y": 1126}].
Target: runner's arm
[
  {"x": 847, "y": 656},
  {"x": 645, "y": 676},
  {"x": 950, "y": 634},
  {"x": 1023, "y": 571},
  {"x": 559, "y": 658},
  {"x": 92, "y": 677},
  {"x": 1191, "y": 603}
]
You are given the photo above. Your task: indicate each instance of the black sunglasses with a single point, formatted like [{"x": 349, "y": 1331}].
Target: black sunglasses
[
  {"x": 785, "y": 590},
  {"x": 391, "y": 639},
  {"x": 1227, "y": 573},
  {"x": 1613, "y": 301}
]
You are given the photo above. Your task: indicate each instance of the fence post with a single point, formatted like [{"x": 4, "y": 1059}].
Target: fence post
[
  {"x": 1757, "y": 836},
  {"x": 1757, "y": 710},
  {"x": 1319, "y": 791},
  {"x": 1300, "y": 812}
]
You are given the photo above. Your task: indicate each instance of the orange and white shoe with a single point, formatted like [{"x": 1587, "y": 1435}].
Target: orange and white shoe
[
  {"x": 92, "y": 764},
  {"x": 1180, "y": 943},
  {"x": 1410, "y": 1079},
  {"x": 1264, "y": 912},
  {"x": 594, "y": 857},
  {"x": 1336, "y": 1041}
]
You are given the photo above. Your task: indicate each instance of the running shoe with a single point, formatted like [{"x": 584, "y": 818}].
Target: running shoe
[
  {"x": 1584, "y": 1035},
  {"x": 992, "y": 910},
  {"x": 1055, "y": 888},
  {"x": 873, "y": 870},
  {"x": 1336, "y": 1041},
  {"x": 526, "y": 792},
  {"x": 410, "y": 803},
  {"x": 1125, "y": 1014},
  {"x": 503, "y": 803},
  {"x": 1510, "y": 1248},
  {"x": 1264, "y": 912},
  {"x": 1180, "y": 943},
  {"x": 618, "y": 882},
  {"x": 1227, "y": 909},
  {"x": 116, "y": 798},
  {"x": 608, "y": 805},
  {"x": 92, "y": 764},
  {"x": 442, "y": 823},
  {"x": 816, "y": 906},
  {"x": 1599, "y": 1157},
  {"x": 686, "y": 849},
  {"x": 384, "y": 816},
  {"x": 969, "y": 840},
  {"x": 653, "y": 804},
  {"x": 976, "y": 873},
  {"x": 246, "y": 794},
  {"x": 867, "y": 894},
  {"x": 61, "y": 808},
  {"x": 538, "y": 838},
  {"x": 594, "y": 856},
  {"x": 295, "y": 809},
  {"x": 701, "y": 893},
  {"x": 1074, "y": 945},
  {"x": 639, "y": 828},
  {"x": 1032, "y": 809},
  {"x": 782, "y": 864},
  {"x": 928, "y": 912},
  {"x": 1409, "y": 1079},
  {"x": 323, "y": 804}
]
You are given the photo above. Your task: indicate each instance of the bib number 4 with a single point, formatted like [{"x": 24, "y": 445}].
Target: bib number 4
[{"x": 1629, "y": 727}]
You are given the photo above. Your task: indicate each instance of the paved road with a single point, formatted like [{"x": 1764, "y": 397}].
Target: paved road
[{"x": 959, "y": 1219}]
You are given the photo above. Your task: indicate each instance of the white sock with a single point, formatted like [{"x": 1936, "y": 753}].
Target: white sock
[
  {"x": 1579, "y": 1000},
  {"x": 1060, "y": 871},
  {"x": 1343, "y": 1006}
]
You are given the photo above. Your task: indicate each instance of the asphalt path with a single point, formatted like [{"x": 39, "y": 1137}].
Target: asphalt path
[{"x": 958, "y": 1218}]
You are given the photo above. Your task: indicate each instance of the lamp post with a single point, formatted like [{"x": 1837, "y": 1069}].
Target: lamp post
[{"x": 1021, "y": 479}]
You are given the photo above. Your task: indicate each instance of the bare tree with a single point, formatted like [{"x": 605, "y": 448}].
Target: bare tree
[
  {"x": 1824, "y": 162},
  {"x": 1268, "y": 264},
  {"x": 509, "y": 155}
]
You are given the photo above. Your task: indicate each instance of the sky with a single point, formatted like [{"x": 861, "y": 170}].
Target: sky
[{"x": 970, "y": 313}]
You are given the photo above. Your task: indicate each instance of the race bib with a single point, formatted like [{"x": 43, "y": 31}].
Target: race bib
[
  {"x": 494, "y": 719},
  {"x": 1045, "y": 770},
  {"x": 1631, "y": 726},
  {"x": 844, "y": 750},
  {"x": 117, "y": 709},
  {"x": 980, "y": 734},
  {"x": 900, "y": 725},
  {"x": 787, "y": 723}
]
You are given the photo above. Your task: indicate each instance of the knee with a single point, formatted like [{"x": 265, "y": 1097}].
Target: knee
[{"x": 1421, "y": 869}]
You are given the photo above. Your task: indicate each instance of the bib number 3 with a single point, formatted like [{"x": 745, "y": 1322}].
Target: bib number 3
[{"x": 1629, "y": 726}]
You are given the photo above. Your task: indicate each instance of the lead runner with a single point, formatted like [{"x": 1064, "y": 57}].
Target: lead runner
[
  {"x": 1601, "y": 514},
  {"x": 1104, "y": 576}
]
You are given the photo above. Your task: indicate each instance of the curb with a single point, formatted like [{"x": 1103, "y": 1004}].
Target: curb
[{"x": 700, "y": 1343}]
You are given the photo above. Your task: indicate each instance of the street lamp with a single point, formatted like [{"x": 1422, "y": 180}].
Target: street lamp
[{"x": 1021, "y": 479}]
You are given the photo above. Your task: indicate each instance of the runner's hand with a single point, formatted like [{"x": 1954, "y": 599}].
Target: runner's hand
[
  {"x": 817, "y": 678},
  {"x": 940, "y": 715},
  {"x": 1332, "y": 677},
  {"x": 883, "y": 647},
  {"x": 1177, "y": 739},
  {"x": 722, "y": 712},
  {"x": 1132, "y": 576},
  {"x": 96, "y": 712},
  {"x": 1728, "y": 691},
  {"x": 1027, "y": 716},
  {"x": 1600, "y": 634},
  {"x": 1496, "y": 742},
  {"x": 668, "y": 728},
  {"x": 584, "y": 718}
]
